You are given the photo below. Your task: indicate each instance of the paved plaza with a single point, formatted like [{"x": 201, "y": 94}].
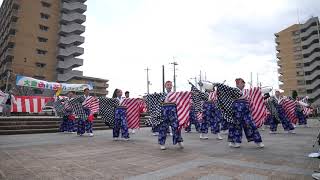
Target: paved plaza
[{"x": 67, "y": 156}]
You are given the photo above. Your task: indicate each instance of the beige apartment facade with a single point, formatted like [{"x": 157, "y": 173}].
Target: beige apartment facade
[
  {"x": 42, "y": 39},
  {"x": 298, "y": 59}
]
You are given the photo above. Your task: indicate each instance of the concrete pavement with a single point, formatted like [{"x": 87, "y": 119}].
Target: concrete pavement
[{"x": 67, "y": 156}]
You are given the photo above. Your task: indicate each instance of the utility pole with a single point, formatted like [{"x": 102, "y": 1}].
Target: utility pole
[
  {"x": 148, "y": 82},
  {"x": 163, "y": 79},
  {"x": 174, "y": 63},
  {"x": 257, "y": 80}
]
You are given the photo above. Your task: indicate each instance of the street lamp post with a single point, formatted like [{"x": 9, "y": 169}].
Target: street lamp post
[
  {"x": 148, "y": 82},
  {"x": 174, "y": 63}
]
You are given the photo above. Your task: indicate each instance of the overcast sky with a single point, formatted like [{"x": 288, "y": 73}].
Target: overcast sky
[{"x": 226, "y": 39}]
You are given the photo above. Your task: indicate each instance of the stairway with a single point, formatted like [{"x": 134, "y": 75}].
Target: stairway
[{"x": 40, "y": 124}]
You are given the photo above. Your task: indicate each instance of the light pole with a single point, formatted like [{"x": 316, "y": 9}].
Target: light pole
[
  {"x": 148, "y": 82},
  {"x": 174, "y": 63}
]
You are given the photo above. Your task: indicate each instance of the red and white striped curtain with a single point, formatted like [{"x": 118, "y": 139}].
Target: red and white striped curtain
[{"x": 30, "y": 104}]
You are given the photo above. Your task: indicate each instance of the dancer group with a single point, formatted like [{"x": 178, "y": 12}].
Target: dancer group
[{"x": 220, "y": 108}]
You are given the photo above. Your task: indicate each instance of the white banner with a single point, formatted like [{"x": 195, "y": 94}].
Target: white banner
[{"x": 36, "y": 83}]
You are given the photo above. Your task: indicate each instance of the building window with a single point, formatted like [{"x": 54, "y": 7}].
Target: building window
[
  {"x": 298, "y": 57},
  {"x": 297, "y": 48},
  {"x": 11, "y": 45},
  {"x": 300, "y": 73},
  {"x": 40, "y": 51},
  {"x": 44, "y": 16},
  {"x": 12, "y": 32},
  {"x": 308, "y": 82},
  {"x": 45, "y": 4},
  {"x": 297, "y": 40},
  {"x": 301, "y": 82},
  {"x": 295, "y": 33},
  {"x": 301, "y": 90},
  {"x": 42, "y": 39},
  {"x": 43, "y": 28},
  {"x": 14, "y": 19},
  {"x": 15, "y": 6},
  {"x": 40, "y": 65}
]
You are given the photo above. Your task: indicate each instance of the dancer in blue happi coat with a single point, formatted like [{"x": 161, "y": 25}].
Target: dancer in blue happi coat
[
  {"x": 120, "y": 120},
  {"x": 212, "y": 118},
  {"x": 273, "y": 117},
  {"x": 286, "y": 124},
  {"x": 68, "y": 120},
  {"x": 224, "y": 124},
  {"x": 277, "y": 114},
  {"x": 155, "y": 130},
  {"x": 170, "y": 118},
  {"x": 88, "y": 123},
  {"x": 64, "y": 123},
  {"x": 243, "y": 121},
  {"x": 120, "y": 123},
  {"x": 193, "y": 120},
  {"x": 302, "y": 119},
  {"x": 85, "y": 122},
  {"x": 168, "y": 90}
]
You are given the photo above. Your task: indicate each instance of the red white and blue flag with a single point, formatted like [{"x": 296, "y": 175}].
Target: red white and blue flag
[
  {"x": 92, "y": 103},
  {"x": 135, "y": 106},
  {"x": 183, "y": 103},
  {"x": 258, "y": 108},
  {"x": 289, "y": 106}
]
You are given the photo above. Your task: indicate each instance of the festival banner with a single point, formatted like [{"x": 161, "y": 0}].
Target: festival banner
[{"x": 55, "y": 86}]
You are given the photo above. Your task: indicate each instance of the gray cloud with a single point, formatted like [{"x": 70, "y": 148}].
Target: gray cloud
[{"x": 255, "y": 35}]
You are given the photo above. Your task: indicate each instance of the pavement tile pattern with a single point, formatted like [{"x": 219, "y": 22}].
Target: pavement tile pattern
[{"x": 67, "y": 156}]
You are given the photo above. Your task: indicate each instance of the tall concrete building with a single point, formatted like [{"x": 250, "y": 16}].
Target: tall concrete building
[
  {"x": 41, "y": 39},
  {"x": 298, "y": 54}
]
